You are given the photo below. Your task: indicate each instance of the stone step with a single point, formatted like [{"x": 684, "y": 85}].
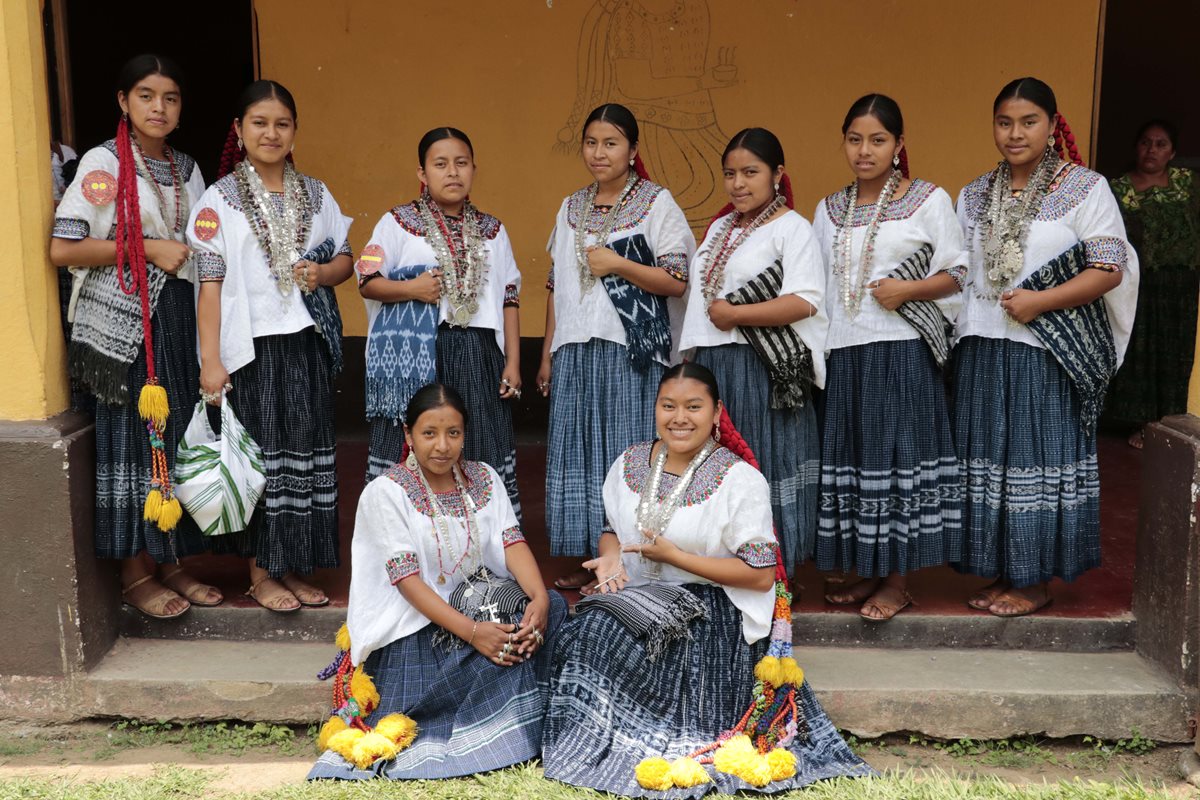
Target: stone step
[
  {"x": 946, "y": 693},
  {"x": 834, "y": 629}
]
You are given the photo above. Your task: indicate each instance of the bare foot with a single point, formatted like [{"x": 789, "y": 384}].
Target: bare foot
[
  {"x": 887, "y": 601},
  {"x": 856, "y": 593},
  {"x": 306, "y": 593},
  {"x": 575, "y": 580},
  {"x": 1020, "y": 602},
  {"x": 983, "y": 599},
  {"x": 199, "y": 594},
  {"x": 273, "y": 595},
  {"x": 1137, "y": 439},
  {"x": 153, "y": 599}
]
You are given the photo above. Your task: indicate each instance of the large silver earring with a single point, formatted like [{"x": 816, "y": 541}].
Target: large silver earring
[
  {"x": 241, "y": 146},
  {"x": 896, "y": 160},
  {"x": 411, "y": 461},
  {"x": 631, "y": 161},
  {"x": 717, "y": 430}
]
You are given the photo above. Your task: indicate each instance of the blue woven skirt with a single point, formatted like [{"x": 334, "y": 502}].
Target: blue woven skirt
[
  {"x": 600, "y": 404},
  {"x": 1032, "y": 506},
  {"x": 470, "y": 361},
  {"x": 123, "y": 449},
  {"x": 472, "y": 715},
  {"x": 891, "y": 493},
  {"x": 786, "y": 443},
  {"x": 610, "y": 707}
]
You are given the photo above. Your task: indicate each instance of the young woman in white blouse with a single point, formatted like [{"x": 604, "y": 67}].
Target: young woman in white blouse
[{"x": 891, "y": 498}]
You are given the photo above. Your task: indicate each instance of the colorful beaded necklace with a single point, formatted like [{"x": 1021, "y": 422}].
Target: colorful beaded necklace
[
  {"x": 714, "y": 266},
  {"x": 586, "y": 279},
  {"x": 463, "y": 270}
]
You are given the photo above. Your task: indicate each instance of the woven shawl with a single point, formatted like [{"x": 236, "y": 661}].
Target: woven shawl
[
  {"x": 485, "y": 589},
  {"x": 785, "y": 355},
  {"x": 322, "y": 305},
  {"x": 924, "y": 315},
  {"x": 657, "y": 613},
  {"x": 401, "y": 350},
  {"x": 643, "y": 314},
  {"x": 1080, "y": 338}
]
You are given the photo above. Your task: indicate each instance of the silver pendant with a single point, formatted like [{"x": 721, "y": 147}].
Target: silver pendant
[{"x": 462, "y": 316}]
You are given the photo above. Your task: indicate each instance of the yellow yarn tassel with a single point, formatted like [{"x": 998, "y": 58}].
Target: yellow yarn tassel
[
  {"x": 370, "y": 748},
  {"x": 343, "y": 742},
  {"x": 342, "y": 640},
  {"x": 332, "y": 726},
  {"x": 362, "y": 689},
  {"x": 782, "y": 763},
  {"x": 153, "y": 506},
  {"x": 399, "y": 728},
  {"x": 687, "y": 772},
  {"x": 654, "y": 773},
  {"x": 152, "y": 404},
  {"x": 169, "y": 514}
]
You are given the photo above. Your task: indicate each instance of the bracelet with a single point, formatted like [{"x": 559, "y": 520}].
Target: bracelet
[{"x": 474, "y": 628}]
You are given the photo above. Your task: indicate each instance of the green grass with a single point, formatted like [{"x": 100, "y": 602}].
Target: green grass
[
  {"x": 221, "y": 738},
  {"x": 175, "y": 783}
]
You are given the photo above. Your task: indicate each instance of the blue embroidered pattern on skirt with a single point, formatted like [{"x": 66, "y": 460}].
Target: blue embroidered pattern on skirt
[
  {"x": 1032, "y": 506},
  {"x": 1079, "y": 338},
  {"x": 322, "y": 306},
  {"x": 643, "y": 314},
  {"x": 401, "y": 350},
  {"x": 891, "y": 489},
  {"x": 610, "y": 707},
  {"x": 472, "y": 715}
]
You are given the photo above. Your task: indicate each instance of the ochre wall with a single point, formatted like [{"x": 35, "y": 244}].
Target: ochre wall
[{"x": 382, "y": 73}]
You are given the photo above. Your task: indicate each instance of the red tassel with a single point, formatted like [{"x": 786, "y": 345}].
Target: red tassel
[
  {"x": 640, "y": 168},
  {"x": 231, "y": 153},
  {"x": 903, "y": 166}
]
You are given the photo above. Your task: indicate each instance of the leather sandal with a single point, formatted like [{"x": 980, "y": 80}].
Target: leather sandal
[
  {"x": 1019, "y": 604},
  {"x": 983, "y": 599},
  {"x": 156, "y": 605},
  {"x": 197, "y": 593},
  {"x": 855, "y": 593},
  {"x": 272, "y": 603},
  {"x": 299, "y": 588},
  {"x": 886, "y": 611}
]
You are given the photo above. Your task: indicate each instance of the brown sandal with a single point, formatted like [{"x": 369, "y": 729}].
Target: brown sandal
[
  {"x": 886, "y": 611},
  {"x": 271, "y": 603},
  {"x": 856, "y": 593},
  {"x": 197, "y": 593},
  {"x": 983, "y": 599},
  {"x": 298, "y": 588},
  {"x": 1018, "y": 603},
  {"x": 156, "y": 605}
]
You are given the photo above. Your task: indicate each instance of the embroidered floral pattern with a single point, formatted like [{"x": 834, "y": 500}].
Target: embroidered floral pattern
[
  {"x": 633, "y": 210},
  {"x": 1106, "y": 252},
  {"x": 227, "y": 188},
  {"x": 511, "y": 297},
  {"x": 676, "y": 265},
  {"x": 511, "y": 536},
  {"x": 757, "y": 554},
  {"x": 959, "y": 274},
  {"x": 903, "y": 208},
  {"x": 408, "y": 217},
  {"x": 479, "y": 487},
  {"x": 161, "y": 170},
  {"x": 1069, "y": 188},
  {"x": 71, "y": 228},
  {"x": 708, "y": 478},
  {"x": 210, "y": 266},
  {"x": 401, "y": 567}
]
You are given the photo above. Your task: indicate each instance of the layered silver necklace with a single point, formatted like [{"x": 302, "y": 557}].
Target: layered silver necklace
[
  {"x": 713, "y": 272},
  {"x": 653, "y": 515},
  {"x": 586, "y": 279},
  {"x": 1006, "y": 221},
  {"x": 281, "y": 231},
  {"x": 854, "y": 285},
  {"x": 470, "y": 558},
  {"x": 463, "y": 271}
]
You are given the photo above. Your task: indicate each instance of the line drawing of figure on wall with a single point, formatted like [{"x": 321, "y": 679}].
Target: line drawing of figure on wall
[{"x": 652, "y": 56}]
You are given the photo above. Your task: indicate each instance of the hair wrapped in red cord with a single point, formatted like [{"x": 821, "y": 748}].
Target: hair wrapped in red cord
[
  {"x": 161, "y": 506},
  {"x": 231, "y": 153},
  {"x": 640, "y": 168},
  {"x": 1064, "y": 141},
  {"x": 903, "y": 165}
]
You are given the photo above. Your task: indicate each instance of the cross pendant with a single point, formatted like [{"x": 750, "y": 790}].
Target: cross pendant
[{"x": 492, "y": 610}]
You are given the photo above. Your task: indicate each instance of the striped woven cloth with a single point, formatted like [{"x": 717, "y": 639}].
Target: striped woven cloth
[
  {"x": 786, "y": 357},
  {"x": 924, "y": 315},
  {"x": 658, "y": 613}
]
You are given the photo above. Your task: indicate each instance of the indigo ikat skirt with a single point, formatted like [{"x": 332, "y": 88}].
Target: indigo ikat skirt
[
  {"x": 1032, "y": 505},
  {"x": 891, "y": 493}
]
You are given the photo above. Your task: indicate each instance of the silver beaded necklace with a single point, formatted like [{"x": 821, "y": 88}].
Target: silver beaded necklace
[
  {"x": 443, "y": 539},
  {"x": 654, "y": 516},
  {"x": 718, "y": 255},
  {"x": 463, "y": 271},
  {"x": 854, "y": 286},
  {"x": 281, "y": 231},
  {"x": 1006, "y": 221},
  {"x": 586, "y": 279}
]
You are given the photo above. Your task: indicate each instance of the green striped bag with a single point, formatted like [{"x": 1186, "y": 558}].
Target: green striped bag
[{"x": 219, "y": 479}]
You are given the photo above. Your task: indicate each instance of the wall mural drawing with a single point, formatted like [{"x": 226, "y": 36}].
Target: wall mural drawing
[{"x": 653, "y": 57}]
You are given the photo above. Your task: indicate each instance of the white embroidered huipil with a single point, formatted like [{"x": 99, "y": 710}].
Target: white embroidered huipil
[
  {"x": 401, "y": 241},
  {"x": 394, "y": 539},
  {"x": 229, "y": 251},
  {"x": 649, "y": 212},
  {"x": 1079, "y": 207},
  {"x": 924, "y": 215},
  {"x": 725, "y": 513},
  {"x": 788, "y": 238}
]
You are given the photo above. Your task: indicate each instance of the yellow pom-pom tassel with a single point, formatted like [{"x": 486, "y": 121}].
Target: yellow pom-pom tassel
[
  {"x": 654, "y": 773},
  {"x": 342, "y": 640},
  {"x": 364, "y": 691},
  {"x": 332, "y": 727},
  {"x": 738, "y": 757},
  {"x": 791, "y": 671},
  {"x": 343, "y": 742},
  {"x": 782, "y": 763},
  {"x": 153, "y": 506},
  {"x": 370, "y": 748},
  {"x": 169, "y": 514},
  {"x": 687, "y": 772},
  {"x": 152, "y": 404},
  {"x": 767, "y": 670},
  {"x": 399, "y": 728}
]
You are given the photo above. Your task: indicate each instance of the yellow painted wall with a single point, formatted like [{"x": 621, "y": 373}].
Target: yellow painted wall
[
  {"x": 34, "y": 379},
  {"x": 382, "y": 73}
]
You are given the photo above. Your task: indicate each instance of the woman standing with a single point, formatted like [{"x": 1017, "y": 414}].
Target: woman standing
[
  {"x": 891, "y": 498},
  {"x": 755, "y": 318},
  {"x": 1161, "y": 208},
  {"x": 448, "y": 613},
  {"x": 1048, "y": 307},
  {"x": 441, "y": 288},
  {"x": 265, "y": 235},
  {"x": 128, "y": 207},
  {"x": 620, "y": 248}
]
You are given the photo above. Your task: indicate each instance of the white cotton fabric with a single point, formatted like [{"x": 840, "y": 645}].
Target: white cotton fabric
[
  {"x": 737, "y": 512},
  {"x": 580, "y": 317},
  {"x": 788, "y": 237},
  {"x": 251, "y": 303},
  {"x": 1096, "y": 215},
  {"x": 404, "y": 249},
  {"x": 934, "y": 222},
  {"x": 388, "y": 526}
]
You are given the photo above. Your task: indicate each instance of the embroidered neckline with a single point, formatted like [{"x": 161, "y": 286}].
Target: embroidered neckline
[
  {"x": 710, "y": 475},
  {"x": 479, "y": 487},
  {"x": 408, "y": 217},
  {"x": 898, "y": 209},
  {"x": 632, "y": 212}
]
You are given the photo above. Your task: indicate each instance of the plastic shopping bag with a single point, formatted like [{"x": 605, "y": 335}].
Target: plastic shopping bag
[{"x": 219, "y": 479}]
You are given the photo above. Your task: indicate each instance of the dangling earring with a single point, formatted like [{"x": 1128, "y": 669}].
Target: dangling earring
[
  {"x": 240, "y": 145},
  {"x": 411, "y": 461},
  {"x": 631, "y": 161},
  {"x": 896, "y": 160},
  {"x": 717, "y": 431},
  {"x": 777, "y": 187}
]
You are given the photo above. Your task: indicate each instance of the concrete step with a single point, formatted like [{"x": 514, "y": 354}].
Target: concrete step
[
  {"x": 833, "y": 629},
  {"x": 868, "y": 691}
]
